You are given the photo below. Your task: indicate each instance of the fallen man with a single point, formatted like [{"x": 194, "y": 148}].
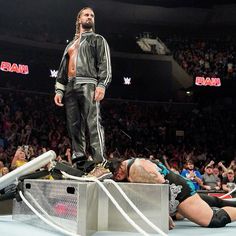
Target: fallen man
[{"x": 183, "y": 197}]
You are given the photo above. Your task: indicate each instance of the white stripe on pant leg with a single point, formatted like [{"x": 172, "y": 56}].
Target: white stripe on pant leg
[
  {"x": 108, "y": 62},
  {"x": 99, "y": 131},
  {"x": 102, "y": 136}
]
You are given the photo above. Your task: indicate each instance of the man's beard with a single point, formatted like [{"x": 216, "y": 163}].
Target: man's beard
[{"x": 87, "y": 25}]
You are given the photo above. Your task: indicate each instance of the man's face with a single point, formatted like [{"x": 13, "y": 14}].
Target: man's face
[
  {"x": 190, "y": 166},
  {"x": 120, "y": 174},
  {"x": 216, "y": 171},
  {"x": 5, "y": 171},
  {"x": 87, "y": 19},
  {"x": 209, "y": 170},
  {"x": 230, "y": 175}
]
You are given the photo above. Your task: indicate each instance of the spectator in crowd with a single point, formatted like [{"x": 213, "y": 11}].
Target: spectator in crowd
[
  {"x": 66, "y": 157},
  {"x": 217, "y": 173},
  {"x": 229, "y": 182},
  {"x": 54, "y": 138},
  {"x": 19, "y": 158},
  {"x": 4, "y": 171},
  {"x": 173, "y": 166},
  {"x": 232, "y": 165},
  {"x": 222, "y": 170},
  {"x": 83, "y": 82},
  {"x": 1, "y": 165},
  {"x": 26, "y": 134},
  {"x": 210, "y": 181},
  {"x": 192, "y": 174}
]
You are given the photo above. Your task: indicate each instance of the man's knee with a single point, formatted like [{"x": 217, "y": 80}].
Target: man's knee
[{"x": 219, "y": 219}]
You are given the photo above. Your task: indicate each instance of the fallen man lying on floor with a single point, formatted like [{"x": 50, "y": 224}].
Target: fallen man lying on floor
[{"x": 183, "y": 197}]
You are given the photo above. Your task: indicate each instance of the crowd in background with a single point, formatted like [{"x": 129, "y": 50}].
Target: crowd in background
[
  {"x": 31, "y": 124},
  {"x": 198, "y": 56}
]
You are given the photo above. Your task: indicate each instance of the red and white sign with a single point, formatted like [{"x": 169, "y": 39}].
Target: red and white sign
[
  {"x": 15, "y": 68},
  {"x": 213, "y": 82}
]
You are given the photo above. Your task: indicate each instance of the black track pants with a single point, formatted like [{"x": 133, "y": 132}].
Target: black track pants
[{"x": 84, "y": 118}]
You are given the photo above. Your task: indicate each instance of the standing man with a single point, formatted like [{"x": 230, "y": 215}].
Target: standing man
[{"x": 83, "y": 76}]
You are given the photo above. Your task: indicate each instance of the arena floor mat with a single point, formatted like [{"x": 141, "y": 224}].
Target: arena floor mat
[{"x": 9, "y": 227}]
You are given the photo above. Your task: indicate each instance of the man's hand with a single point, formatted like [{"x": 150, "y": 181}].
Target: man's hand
[
  {"x": 68, "y": 153},
  {"x": 58, "y": 99},
  {"x": 211, "y": 163},
  {"x": 99, "y": 94},
  {"x": 191, "y": 175},
  {"x": 217, "y": 188},
  {"x": 207, "y": 187},
  {"x": 171, "y": 223},
  {"x": 232, "y": 163}
]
